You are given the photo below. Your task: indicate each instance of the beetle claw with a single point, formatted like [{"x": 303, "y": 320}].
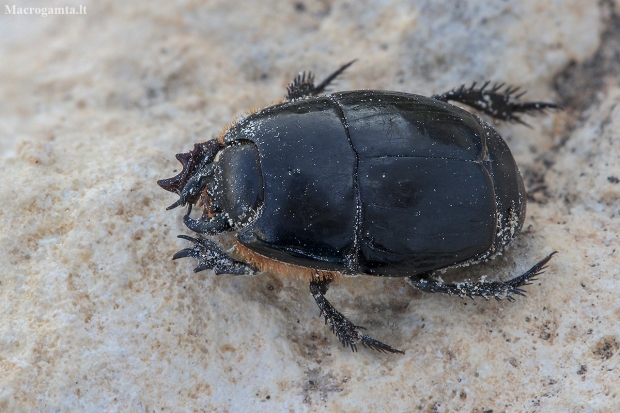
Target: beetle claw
[
  {"x": 184, "y": 253},
  {"x": 201, "y": 267},
  {"x": 187, "y": 237}
]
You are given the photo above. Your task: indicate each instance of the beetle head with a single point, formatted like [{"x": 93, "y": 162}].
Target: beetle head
[
  {"x": 197, "y": 167},
  {"x": 226, "y": 180}
]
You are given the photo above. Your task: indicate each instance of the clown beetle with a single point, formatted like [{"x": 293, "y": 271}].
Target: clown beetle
[{"x": 362, "y": 182}]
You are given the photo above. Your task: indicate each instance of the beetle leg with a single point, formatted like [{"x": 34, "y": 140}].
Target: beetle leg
[
  {"x": 484, "y": 289},
  {"x": 303, "y": 86},
  {"x": 345, "y": 330},
  {"x": 500, "y": 105},
  {"x": 211, "y": 257},
  {"x": 212, "y": 226}
]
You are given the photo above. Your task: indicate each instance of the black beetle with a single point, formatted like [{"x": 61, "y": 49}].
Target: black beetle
[{"x": 361, "y": 182}]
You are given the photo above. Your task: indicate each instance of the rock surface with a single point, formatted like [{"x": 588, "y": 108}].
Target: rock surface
[{"x": 94, "y": 315}]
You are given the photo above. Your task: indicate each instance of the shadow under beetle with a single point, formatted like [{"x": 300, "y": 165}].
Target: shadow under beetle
[{"x": 360, "y": 182}]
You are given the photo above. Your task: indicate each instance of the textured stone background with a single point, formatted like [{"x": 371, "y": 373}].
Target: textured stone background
[{"x": 94, "y": 315}]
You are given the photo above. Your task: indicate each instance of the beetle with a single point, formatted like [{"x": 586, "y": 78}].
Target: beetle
[{"x": 365, "y": 182}]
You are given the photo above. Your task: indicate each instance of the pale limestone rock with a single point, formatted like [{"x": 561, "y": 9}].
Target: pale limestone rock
[{"x": 94, "y": 315}]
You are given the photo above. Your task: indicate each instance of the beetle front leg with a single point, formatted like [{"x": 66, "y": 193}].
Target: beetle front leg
[
  {"x": 303, "y": 86},
  {"x": 211, "y": 257},
  {"x": 484, "y": 289},
  {"x": 346, "y": 331},
  {"x": 500, "y": 105},
  {"x": 211, "y": 226}
]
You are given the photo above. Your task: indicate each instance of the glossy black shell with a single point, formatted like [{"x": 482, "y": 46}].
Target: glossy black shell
[{"x": 380, "y": 183}]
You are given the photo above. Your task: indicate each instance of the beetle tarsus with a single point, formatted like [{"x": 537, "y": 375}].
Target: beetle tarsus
[
  {"x": 484, "y": 289},
  {"x": 211, "y": 257},
  {"x": 347, "y": 332},
  {"x": 530, "y": 275},
  {"x": 303, "y": 86},
  {"x": 502, "y": 105}
]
